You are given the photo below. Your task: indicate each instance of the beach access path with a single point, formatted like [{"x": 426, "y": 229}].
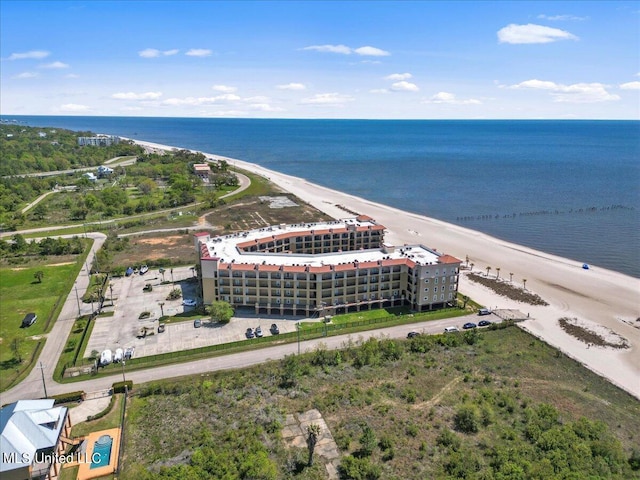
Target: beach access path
[{"x": 597, "y": 295}]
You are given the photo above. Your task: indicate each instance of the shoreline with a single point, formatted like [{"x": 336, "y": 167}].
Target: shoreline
[{"x": 598, "y": 295}]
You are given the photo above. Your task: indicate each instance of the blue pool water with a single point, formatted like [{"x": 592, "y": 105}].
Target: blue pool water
[{"x": 101, "y": 452}]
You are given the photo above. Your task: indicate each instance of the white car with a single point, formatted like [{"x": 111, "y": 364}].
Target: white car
[{"x": 188, "y": 302}]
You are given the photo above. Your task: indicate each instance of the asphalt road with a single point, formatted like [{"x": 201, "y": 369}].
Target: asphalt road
[{"x": 32, "y": 387}]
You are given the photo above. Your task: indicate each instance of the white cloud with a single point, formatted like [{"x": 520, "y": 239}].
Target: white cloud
[
  {"x": 265, "y": 107},
  {"x": 562, "y": 18},
  {"x": 404, "y": 87},
  {"x": 379, "y": 90},
  {"x": 149, "y": 53},
  {"x": 532, "y": 33},
  {"x": 451, "y": 99},
  {"x": 199, "y": 52},
  {"x": 37, "y": 54},
  {"x": 71, "y": 75},
  {"x": 292, "y": 86},
  {"x": 55, "y": 65},
  {"x": 371, "y": 52},
  {"x": 154, "y": 52},
  {"x": 257, "y": 99},
  {"x": 398, "y": 76},
  {"x": 137, "y": 96},
  {"x": 630, "y": 86},
  {"x": 197, "y": 101},
  {"x": 328, "y": 99},
  {"x": 73, "y": 107},
  {"x": 25, "y": 75},
  {"x": 574, "y": 93},
  {"x": 330, "y": 48},
  {"x": 224, "y": 88},
  {"x": 343, "y": 49}
]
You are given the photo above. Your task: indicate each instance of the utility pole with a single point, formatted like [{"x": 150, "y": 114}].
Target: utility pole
[
  {"x": 77, "y": 298},
  {"x": 44, "y": 385},
  {"x": 298, "y": 327}
]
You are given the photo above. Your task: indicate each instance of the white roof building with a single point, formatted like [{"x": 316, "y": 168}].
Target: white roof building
[{"x": 30, "y": 427}]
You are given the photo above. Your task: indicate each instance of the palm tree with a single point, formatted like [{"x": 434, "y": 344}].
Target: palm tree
[
  {"x": 497, "y": 273},
  {"x": 313, "y": 432},
  {"x": 161, "y": 308},
  {"x": 488, "y": 269},
  {"x": 511, "y": 276},
  {"x": 524, "y": 283},
  {"x": 465, "y": 298}
]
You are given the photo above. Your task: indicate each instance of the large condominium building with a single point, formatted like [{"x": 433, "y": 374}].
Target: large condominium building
[{"x": 322, "y": 268}]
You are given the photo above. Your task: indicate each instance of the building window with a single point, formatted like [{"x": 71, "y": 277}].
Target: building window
[
  {"x": 435, "y": 280},
  {"x": 435, "y": 298}
]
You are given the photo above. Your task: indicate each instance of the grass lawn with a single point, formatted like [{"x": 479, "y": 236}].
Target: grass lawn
[
  {"x": 110, "y": 420},
  {"x": 21, "y": 293}
]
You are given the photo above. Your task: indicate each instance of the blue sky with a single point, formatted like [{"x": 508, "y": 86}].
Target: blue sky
[{"x": 312, "y": 59}]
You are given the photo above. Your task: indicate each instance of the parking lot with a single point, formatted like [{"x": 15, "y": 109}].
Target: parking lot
[{"x": 122, "y": 329}]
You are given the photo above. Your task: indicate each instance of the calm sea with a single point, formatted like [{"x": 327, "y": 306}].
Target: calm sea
[{"x": 571, "y": 188}]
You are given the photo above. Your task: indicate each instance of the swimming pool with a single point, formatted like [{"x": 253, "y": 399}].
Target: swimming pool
[{"x": 101, "y": 451}]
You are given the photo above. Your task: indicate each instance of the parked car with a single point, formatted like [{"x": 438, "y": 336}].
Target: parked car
[
  {"x": 28, "y": 320},
  {"x": 129, "y": 272},
  {"x": 128, "y": 352},
  {"x": 161, "y": 328},
  {"x": 413, "y": 334},
  {"x": 105, "y": 357},
  {"x": 484, "y": 323},
  {"x": 197, "y": 323},
  {"x": 274, "y": 329},
  {"x": 249, "y": 333},
  {"x": 469, "y": 325},
  {"x": 258, "y": 332},
  {"x": 451, "y": 329},
  {"x": 484, "y": 311},
  {"x": 188, "y": 302},
  {"x": 143, "y": 269},
  {"x": 117, "y": 357}
]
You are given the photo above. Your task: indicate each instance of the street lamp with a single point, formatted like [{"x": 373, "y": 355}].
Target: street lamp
[{"x": 298, "y": 327}]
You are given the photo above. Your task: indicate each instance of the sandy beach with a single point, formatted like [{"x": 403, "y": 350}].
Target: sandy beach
[{"x": 594, "y": 296}]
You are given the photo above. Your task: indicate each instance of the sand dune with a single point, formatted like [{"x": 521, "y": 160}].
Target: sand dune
[{"x": 598, "y": 295}]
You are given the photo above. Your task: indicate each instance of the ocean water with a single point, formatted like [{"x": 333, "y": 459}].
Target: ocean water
[{"x": 571, "y": 188}]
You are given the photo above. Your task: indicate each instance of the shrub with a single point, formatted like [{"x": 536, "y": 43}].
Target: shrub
[
  {"x": 367, "y": 441},
  {"x": 68, "y": 397},
  {"x": 467, "y": 419},
  {"x": 118, "y": 387},
  {"x": 352, "y": 468}
]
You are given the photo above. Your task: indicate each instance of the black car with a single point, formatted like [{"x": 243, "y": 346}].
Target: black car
[
  {"x": 249, "y": 333},
  {"x": 413, "y": 334},
  {"x": 274, "y": 329},
  {"x": 469, "y": 325},
  {"x": 484, "y": 323},
  {"x": 28, "y": 320}
]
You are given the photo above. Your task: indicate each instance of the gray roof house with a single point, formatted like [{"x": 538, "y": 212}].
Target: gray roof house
[{"x": 33, "y": 433}]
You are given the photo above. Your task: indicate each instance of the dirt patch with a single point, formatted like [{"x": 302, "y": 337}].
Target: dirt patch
[
  {"x": 59, "y": 264},
  {"x": 172, "y": 240},
  {"x": 508, "y": 290},
  {"x": 592, "y": 334}
]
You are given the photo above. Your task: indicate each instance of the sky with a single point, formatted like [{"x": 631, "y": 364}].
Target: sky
[{"x": 321, "y": 59}]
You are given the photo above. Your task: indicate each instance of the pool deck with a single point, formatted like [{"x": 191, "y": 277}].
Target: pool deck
[{"x": 85, "y": 472}]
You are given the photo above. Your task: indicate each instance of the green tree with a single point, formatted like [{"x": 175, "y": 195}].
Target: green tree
[
  {"x": 313, "y": 432},
  {"x": 39, "y": 275},
  {"x": 221, "y": 312}
]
